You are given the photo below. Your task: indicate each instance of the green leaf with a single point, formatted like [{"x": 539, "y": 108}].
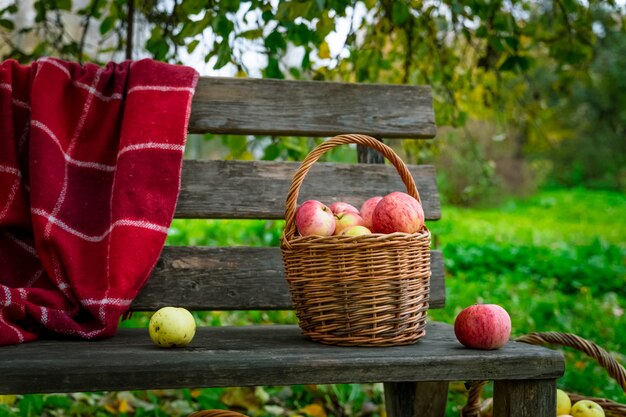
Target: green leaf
[
  {"x": 251, "y": 34},
  {"x": 271, "y": 152},
  {"x": 275, "y": 42},
  {"x": 230, "y": 5},
  {"x": 194, "y": 28},
  {"x": 570, "y": 5},
  {"x": 515, "y": 62},
  {"x": 482, "y": 32},
  {"x": 107, "y": 24},
  {"x": 192, "y": 45},
  {"x": 31, "y": 405},
  {"x": 7, "y": 24},
  {"x": 273, "y": 69},
  {"x": 222, "y": 25},
  {"x": 223, "y": 55},
  {"x": 496, "y": 44},
  {"x": 58, "y": 401},
  {"x": 191, "y": 7},
  {"x": 511, "y": 42},
  {"x": 63, "y": 4},
  {"x": 399, "y": 12},
  {"x": 509, "y": 63}
]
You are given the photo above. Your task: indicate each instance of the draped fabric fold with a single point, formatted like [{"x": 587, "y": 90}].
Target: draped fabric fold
[{"x": 90, "y": 164}]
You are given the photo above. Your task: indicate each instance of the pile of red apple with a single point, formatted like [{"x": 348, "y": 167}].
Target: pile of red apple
[{"x": 395, "y": 212}]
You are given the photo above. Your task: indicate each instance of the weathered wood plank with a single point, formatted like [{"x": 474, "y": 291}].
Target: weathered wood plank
[
  {"x": 416, "y": 399},
  {"x": 526, "y": 398},
  {"x": 234, "y": 278},
  {"x": 311, "y": 108},
  {"x": 258, "y": 355},
  {"x": 258, "y": 189}
]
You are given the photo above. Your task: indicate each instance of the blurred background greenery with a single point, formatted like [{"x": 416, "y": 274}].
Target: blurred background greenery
[{"x": 530, "y": 101}]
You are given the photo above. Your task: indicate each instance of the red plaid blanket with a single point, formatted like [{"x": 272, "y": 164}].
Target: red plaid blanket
[{"x": 90, "y": 162}]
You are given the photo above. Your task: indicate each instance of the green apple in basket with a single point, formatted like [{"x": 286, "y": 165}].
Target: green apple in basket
[
  {"x": 356, "y": 231},
  {"x": 587, "y": 408},
  {"x": 563, "y": 403},
  {"x": 347, "y": 220}
]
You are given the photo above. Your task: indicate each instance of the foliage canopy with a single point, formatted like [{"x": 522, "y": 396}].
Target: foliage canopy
[{"x": 542, "y": 71}]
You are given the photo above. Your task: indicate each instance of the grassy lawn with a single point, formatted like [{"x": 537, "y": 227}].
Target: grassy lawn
[{"x": 556, "y": 261}]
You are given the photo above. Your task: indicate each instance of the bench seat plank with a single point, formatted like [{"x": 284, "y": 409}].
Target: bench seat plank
[
  {"x": 258, "y": 355},
  {"x": 234, "y": 278},
  {"x": 311, "y": 108},
  {"x": 258, "y": 189}
]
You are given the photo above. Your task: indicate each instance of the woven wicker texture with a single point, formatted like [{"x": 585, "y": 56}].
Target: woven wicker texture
[
  {"x": 369, "y": 290},
  {"x": 601, "y": 356}
]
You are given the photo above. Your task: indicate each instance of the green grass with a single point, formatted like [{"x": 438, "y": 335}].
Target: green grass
[{"x": 556, "y": 261}]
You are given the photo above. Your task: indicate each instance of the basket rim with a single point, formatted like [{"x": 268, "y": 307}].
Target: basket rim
[{"x": 298, "y": 240}]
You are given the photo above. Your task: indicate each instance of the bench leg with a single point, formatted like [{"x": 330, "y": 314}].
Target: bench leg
[
  {"x": 413, "y": 399},
  {"x": 524, "y": 398}
]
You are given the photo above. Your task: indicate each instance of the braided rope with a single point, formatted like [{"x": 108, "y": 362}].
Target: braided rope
[
  {"x": 615, "y": 370},
  {"x": 473, "y": 406}
]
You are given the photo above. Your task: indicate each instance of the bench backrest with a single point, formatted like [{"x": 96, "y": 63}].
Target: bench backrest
[{"x": 251, "y": 278}]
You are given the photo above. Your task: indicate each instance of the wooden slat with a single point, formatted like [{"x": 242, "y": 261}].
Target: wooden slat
[
  {"x": 234, "y": 278},
  {"x": 258, "y": 355},
  {"x": 257, "y": 189},
  {"x": 532, "y": 398},
  {"x": 416, "y": 399},
  {"x": 310, "y": 108}
]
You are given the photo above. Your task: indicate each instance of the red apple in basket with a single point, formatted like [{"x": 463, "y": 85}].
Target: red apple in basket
[
  {"x": 341, "y": 207},
  {"x": 483, "y": 326},
  {"x": 398, "y": 212},
  {"x": 367, "y": 210},
  {"x": 314, "y": 218},
  {"x": 346, "y": 220}
]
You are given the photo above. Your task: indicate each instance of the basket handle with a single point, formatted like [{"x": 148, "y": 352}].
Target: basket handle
[
  {"x": 314, "y": 155},
  {"x": 615, "y": 370},
  {"x": 600, "y": 355}
]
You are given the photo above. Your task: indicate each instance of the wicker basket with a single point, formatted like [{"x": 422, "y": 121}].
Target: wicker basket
[
  {"x": 615, "y": 370},
  {"x": 369, "y": 290}
]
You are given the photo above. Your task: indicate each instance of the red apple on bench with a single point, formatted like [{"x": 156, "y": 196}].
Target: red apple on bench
[{"x": 483, "y": 326}]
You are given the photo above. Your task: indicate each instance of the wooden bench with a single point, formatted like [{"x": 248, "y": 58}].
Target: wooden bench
[{"x": 415, "y": 377}]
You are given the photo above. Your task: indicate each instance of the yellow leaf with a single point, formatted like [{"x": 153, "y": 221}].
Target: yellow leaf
[
  {"x": 324, "y": 51},
  {"x": 241, "y": 397},
  {"x": 314, "y": 410},
  {"x": 8, "y": 399},
  {"x": 125, "y": 407},
  {"x": 195, "y": 393}
]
